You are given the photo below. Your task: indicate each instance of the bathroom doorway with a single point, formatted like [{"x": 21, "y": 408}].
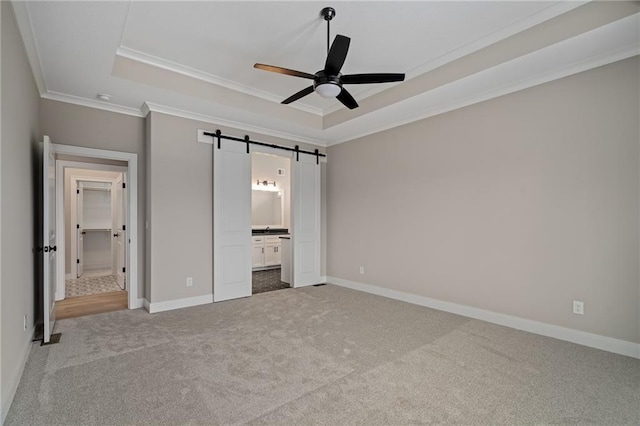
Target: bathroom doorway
[
  {"x": 233, "y": 247},
  {"x": 270, "y": 222}
]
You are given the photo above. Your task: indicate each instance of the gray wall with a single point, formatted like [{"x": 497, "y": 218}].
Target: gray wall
[
  {"x": 18, "y": 165},
  {"x": 180, "y": 205},
  {"x": 517, "y": 205},
  {"x": 69, "y": 124}
]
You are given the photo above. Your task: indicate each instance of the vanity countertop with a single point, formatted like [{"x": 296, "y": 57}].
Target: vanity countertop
[{"x": 274, "y": 231}]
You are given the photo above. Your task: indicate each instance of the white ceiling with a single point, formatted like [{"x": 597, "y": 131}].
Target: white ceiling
[{"x": 76, "y": 50}]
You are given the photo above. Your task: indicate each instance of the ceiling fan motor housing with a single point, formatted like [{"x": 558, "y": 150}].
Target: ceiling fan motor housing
[{"x": 323, "y": 78}]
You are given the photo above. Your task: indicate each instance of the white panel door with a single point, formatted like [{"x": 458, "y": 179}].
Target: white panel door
[
  {"x": 306, "y": 220},
  {"x": 119, "y": 233},
  {"x": 231, "y": 221},
  {"x": 80, "y": 231},
  {"x": 49, "y": 237}
]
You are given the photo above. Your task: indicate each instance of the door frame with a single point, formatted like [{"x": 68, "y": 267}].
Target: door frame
[
  {"x": 132, "y": 205},
  {"x": 73, "y": 205}
]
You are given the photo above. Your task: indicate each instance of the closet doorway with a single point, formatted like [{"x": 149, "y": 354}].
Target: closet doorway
[{"x": 95, "y": 257}]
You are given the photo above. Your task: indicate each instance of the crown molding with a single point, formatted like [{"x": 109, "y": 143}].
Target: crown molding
[
  {"x": 163, "y": 109},
  {"x": 165, "y": 64},
  {"x": 90, "y": 103},
  {"x": 25, "y": 27},
  {"x": 506, "y": 32},
  {"x": 408, "y": 109},
  {"x": 441, "y": 109}
]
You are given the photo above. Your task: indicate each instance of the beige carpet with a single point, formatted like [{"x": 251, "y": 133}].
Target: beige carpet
[{"x": 317, "y": 355}]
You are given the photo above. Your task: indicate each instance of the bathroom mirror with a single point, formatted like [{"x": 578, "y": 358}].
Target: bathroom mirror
[{"x": 267, "y": 208}]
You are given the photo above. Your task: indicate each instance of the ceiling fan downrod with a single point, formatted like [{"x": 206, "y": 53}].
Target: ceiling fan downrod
[{"x": 328, "y": 13}]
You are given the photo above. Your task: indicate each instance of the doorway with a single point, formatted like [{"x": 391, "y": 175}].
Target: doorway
[
  {"x": 53, "y": 226},
  {"x": 99, "y": 167},
  {"x": 94, "y": 212},
  {"x": 95, "y": 260},
  {"x": 270, "y": 222},
  {"x": 232, "y": 216}
]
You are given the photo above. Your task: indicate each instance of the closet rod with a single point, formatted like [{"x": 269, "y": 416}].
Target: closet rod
[{"x": 246, "y": 140}]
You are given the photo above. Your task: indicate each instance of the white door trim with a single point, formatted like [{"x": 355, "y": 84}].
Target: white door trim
[
  {"x": 74, "y": 179},
  {"x": 132, "y": 206},
  {"x": 60, "y": 217}
]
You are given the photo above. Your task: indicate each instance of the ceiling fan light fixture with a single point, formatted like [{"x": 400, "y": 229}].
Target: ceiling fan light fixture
[
  {"x": 328, "y": 90},
  {"x": 328, "y": 81}
]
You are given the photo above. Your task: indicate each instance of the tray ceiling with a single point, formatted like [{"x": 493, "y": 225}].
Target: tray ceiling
[{"x": 195, "y": 58}]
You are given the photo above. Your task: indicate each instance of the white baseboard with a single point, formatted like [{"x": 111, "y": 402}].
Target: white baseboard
[
  {"x": 154, "y": 307},
  {"x": 138, "y": 303},
  {"x": 323, "y": 280},
  {"x": 68, "y": 276},
  {"x": 15, "y": 376},
  {"x": 597, "y": 341}
]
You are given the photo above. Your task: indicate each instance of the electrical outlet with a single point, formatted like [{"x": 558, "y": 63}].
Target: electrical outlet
[
  {"x": 362, "y": 270},
  {"x": 578, "y": 307},
  {"x": 189, "y": 281},
  {"x": 24, "y": 323}
]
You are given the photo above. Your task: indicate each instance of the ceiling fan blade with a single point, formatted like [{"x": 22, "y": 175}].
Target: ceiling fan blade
[
  {"x": 337, "y": 55},
  {"x": 301, "y": 94},
  {"x": 346, "y": 99},
  {"x": 371, "y": 78},
  {"x": 285, "y": 71}
]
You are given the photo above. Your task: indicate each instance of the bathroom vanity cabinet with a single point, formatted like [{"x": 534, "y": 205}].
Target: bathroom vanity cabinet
[{"x": 266, "y": 251}]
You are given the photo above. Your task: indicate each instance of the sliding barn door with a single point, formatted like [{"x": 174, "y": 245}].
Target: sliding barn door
[
  {"x": 231, "y": 221},
  {"x": 306, "y": 220},
  {"x": 49, "y": 237}
]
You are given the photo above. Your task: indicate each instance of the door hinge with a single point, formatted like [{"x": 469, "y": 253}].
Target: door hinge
[
  {"x": 124, "y": 227},
  {"x": 77, "y": 226},
  {"x": 124, "y": 185},
  {"x": 77, "y": 191},
  {"x": 124, "y": 269},
  {"x": 77, "y": 260}
]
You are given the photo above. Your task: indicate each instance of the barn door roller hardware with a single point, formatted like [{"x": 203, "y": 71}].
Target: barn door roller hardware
[{"x": 218, "y": 134}]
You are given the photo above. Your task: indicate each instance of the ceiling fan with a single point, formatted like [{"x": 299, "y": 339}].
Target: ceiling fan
[{"x": 328, "y": 82}]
